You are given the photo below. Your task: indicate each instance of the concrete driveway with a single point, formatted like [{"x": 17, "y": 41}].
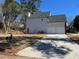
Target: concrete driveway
[
  {"x": 52, "y": 49},
  {"x": 56, "y": 36}
]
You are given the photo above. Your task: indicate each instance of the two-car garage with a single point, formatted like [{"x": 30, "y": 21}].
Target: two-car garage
[{"x": 56, "y": 28}]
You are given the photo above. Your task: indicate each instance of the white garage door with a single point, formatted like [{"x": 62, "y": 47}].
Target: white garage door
[
  {"x": 56, "y": 30},
  {"x": 60, "y": 30}
]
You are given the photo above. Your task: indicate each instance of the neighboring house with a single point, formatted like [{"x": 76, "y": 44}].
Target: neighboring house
[{"x": 46, "y": 23}]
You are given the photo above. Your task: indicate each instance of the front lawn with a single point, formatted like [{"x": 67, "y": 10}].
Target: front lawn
[{"x": 74, "y": 36}]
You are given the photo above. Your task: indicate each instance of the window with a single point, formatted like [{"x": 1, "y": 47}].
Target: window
[{"x": 41, "y": 19}]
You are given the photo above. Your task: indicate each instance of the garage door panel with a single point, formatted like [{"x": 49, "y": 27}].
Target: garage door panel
[
  {"x": 60, "y": 30},
  {"x": 51, "y": 30},
  {"x": 56, "y": 30}
]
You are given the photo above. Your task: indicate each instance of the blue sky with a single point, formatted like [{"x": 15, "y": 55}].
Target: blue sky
[
  {"x": 56, "y": 7},
  {"x": 68, "y": 7}
]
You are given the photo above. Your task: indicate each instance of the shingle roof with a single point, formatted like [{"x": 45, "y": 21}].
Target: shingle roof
[
  {"x": 52, "y": 18},
  {"x": 39, "y": 14},
  {"x": 57, "y": 18}
]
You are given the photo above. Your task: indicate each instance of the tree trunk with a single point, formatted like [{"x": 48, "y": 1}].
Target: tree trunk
[{"x": 23, "y": 21}]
